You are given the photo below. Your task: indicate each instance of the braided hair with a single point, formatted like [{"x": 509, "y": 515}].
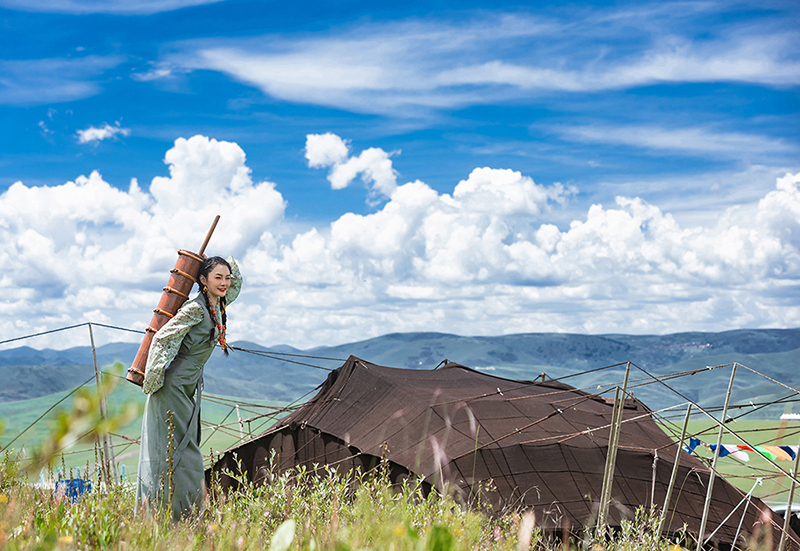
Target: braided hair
[{"x": 205, "y": 269}]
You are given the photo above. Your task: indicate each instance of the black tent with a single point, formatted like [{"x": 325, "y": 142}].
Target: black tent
[{"x": 538, "y": 445}]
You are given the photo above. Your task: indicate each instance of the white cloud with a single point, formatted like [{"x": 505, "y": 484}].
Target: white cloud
[
  {"x": 751, "y": 59},
  {"x": 105, "y": 132},
  {"x": 693, "y": 140},
  {"x": 411, "y": 68},
  {"x": 65, "y": 247},
  {"x": 121, "y": 7},
  {"x": 46, "y": 81},
  {"x": 373, "y": 165},
  {"x": 324, "y": 150},
  {"x": 483, "y": 259}
]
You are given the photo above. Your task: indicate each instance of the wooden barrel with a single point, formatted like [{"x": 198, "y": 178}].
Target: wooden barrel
[{"x": 183, "y": 277}]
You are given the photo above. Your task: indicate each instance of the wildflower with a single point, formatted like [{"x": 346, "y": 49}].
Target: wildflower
[
  {"x": 398, "y": 530},
  {"x": 3, "y": 498},
  {"x": 497, "y": 533},
  {"x": 66, "y": 539}
]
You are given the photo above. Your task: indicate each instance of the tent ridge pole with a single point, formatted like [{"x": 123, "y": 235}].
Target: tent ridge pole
[
  {"x": 613, "y": 446},
  {"x": 674, "y": 474},
  {"x": 707, "y": 504},
  {"x": 788, "y": 515}
]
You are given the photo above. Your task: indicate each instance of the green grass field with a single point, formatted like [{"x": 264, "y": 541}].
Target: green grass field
[
  {"x": 774, "y": 486},
  {"x": 324, "y": 513},
  {"x": 17, "y": 416},
  {"x": 215, "y": 410}
]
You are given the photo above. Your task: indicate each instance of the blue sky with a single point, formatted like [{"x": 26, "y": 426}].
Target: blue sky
[{"x": 689, "y": 108}]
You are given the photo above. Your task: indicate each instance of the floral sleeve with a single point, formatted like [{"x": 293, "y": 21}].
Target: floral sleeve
[
  {"x": 167, "y": 342},
  {"x": 236, "y": 282}
]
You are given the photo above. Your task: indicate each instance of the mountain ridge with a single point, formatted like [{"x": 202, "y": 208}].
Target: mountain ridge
[{"x": 31, "y": 373}]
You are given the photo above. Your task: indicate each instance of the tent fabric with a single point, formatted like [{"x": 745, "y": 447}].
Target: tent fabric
[{"x": 525, "y": 444}]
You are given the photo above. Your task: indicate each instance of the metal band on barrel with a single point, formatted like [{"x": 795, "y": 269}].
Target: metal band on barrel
[
  {"x": 191, "y": 255},
  {"x": 169, "y": 289},
  {"x": 134, "y": 370},
  {"x": 164, "y": 312},
  {"x": 182, "y": 273}
]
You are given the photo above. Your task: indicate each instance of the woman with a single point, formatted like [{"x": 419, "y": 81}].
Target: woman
[{"x": 170, "y": 461}]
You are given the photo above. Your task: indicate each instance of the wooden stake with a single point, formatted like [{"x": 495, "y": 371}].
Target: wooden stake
[
  {"x": 105, "y": 457},
  {"x": 707, "y": 504},
  {"x": 241, "y": 425},
  {"x": 611, "y": 457},
  {"x": 788, "y": 516},
  {"x": 674, "y": 475}
]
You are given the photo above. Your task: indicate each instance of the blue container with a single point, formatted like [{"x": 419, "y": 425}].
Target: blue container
[{"x": 73, "y": 488}]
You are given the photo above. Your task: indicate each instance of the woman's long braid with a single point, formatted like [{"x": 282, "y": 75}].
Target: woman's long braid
[
  {"x": 212, "y": 335},
  {"x": 224, "y": 343}
]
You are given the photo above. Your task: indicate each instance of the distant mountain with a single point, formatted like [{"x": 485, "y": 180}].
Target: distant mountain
[{"x": 30, "y": 373}]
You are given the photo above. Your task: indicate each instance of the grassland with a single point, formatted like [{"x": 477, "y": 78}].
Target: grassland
[
  {"x": 774, "y": 485},
  {"x": 220, "y": 425},
  {"x": 298, "y": 511}
]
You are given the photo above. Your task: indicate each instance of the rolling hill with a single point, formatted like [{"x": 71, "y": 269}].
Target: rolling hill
[{"x": 30, "y": 373}]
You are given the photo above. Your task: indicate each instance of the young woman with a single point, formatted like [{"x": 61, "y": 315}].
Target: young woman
[{"x": 170, "y": 461}]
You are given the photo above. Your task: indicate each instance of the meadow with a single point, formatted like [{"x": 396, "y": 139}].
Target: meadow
[
  {"x": 217, "y": 412},
  {"x": 297, "y": 510}
]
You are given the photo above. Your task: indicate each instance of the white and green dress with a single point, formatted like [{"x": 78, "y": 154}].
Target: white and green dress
[{"x": 174, "y": 384}]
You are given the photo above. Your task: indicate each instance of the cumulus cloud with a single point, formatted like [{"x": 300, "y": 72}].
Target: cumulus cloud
[
  {"x": 105, "y": 132},
  {"x": 373, "y": 165},
  {"x": 89, "y": 247},
  {"x": 485, "y": 258}
]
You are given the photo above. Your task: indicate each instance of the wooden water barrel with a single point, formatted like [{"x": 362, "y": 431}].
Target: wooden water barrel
[{"x": 182, "y": 278}]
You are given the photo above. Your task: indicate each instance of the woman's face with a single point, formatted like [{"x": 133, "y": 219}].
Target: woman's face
[{"x": 218, "y": 281}]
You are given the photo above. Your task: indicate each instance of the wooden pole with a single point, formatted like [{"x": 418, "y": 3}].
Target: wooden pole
[
  {"x": 674, "y": 475},
  {"x": 105, "y": 454},
  {"x": 653, "y": 481},
  {"x": 611, "y": 457},
  {"x": 241, "y": 425},
  {"x": 208, "y": 236},
  {"x": 788, "y": 516},
  {"x": 601, "y": 513},
  {"x": 707, "y": 504}
]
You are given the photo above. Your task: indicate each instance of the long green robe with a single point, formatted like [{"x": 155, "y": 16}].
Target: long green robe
[{"x": 170, "y": 455}]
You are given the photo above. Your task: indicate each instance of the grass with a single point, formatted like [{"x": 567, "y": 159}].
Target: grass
[
  {"x": 17, "y": 416},
  {"x": 297, "y": 511}
]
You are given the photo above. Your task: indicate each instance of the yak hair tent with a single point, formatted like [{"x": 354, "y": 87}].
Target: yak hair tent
[{"x": 523, "y": 444}]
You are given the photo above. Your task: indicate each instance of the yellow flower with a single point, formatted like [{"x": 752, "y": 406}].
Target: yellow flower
[
  {"x": 398, "y": 530},
  {"x": 66, "y": 539},
  {"x": 3, "y": 498},
  {"x": 675, "y": 547}
]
